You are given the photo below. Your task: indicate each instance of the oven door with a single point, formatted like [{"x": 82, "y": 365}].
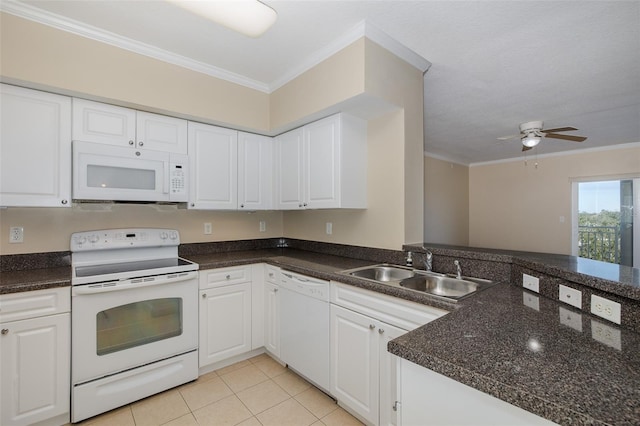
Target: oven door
[{"x": 124, "y": 324}]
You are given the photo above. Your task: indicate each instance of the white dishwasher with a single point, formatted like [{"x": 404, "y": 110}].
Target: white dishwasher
[{"x": 304, "y": 327}]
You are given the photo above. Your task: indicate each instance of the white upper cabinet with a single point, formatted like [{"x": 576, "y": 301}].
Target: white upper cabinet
[
  {"x": 255, "y": 172},
  {"x": 110, "y": 124},
  {"x": 35, "y": 148},
  {"x": 323, "y": 165},
  {"x": 213, "y": 167}
]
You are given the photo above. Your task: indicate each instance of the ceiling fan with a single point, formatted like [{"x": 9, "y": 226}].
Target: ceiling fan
[{"x": 531, "y": 133}]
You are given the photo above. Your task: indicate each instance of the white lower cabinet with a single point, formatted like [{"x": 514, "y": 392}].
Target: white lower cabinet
[
  {"x": 272, "y": 311},
  {"x": 225, "y": 314},
  {"x": 363, "y": 372},
  {"x": 35, "y": 357},
  {"x": 429, "y": 398}
]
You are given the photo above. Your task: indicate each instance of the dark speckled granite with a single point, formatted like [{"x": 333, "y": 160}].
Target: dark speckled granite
[
  {"x": 34, "y": 279},
  {"x": 531, "y": 358}
]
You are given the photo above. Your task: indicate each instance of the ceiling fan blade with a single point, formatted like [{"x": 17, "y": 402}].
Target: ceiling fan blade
[
  {"x": 506, "y": 138},
  {"x": 559, "y": 129},
  {"x": 566, "y": 137},
  {"x": 526, "y": 148}
]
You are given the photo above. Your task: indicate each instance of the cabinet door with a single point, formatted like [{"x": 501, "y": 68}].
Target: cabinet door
[
  {"x": 289, "y": 171},
  {"x": 225, "y": 322},
  {"x": 255, "y": 172},
  {"x": 35, "y": 148},
  {"x": 322, "y": 161},
  {"x": 354, "y": 362},
  {"x": 162, "y": 133},
  {"x": 103, "y": 123},
  {"x": 272, "y": 319},
  {"x": 213, "y": 161},
  {"x": 35, "y": 369},
  {"x": 388, "y": 375}
]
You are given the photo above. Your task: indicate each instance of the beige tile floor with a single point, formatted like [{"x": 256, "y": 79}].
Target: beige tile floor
[{"x": 255, "y": 392}]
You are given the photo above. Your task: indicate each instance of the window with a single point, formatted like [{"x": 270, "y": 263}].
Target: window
[{"x": 606, "y": 225}]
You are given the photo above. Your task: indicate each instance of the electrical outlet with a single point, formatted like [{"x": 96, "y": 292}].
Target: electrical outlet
[
  {"x": 605, "y": 308},
  {"x": 531, "y": 283},
  {"x": 16, "y": 234},
  {"x": 571, "y": 296},
  {"x": 263, "y": 226},
  {"x": 329, "y": 228},
  {"x": 606, "y": 334},
  {"x": 207, "y": 228}
]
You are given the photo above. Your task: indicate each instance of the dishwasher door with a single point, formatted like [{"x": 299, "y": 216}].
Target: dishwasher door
[{"x": 304, "y": 327}]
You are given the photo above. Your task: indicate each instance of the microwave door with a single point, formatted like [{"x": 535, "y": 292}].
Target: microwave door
[{"x": 119, "y": 173}]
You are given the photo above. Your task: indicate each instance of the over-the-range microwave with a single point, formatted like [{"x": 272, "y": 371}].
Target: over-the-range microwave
[{"x": 119, "y": 173}]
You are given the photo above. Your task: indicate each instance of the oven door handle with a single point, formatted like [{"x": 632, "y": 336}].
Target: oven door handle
[{"x": 134, "y": 283}]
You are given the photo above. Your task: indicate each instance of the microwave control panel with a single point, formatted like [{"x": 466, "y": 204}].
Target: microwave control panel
[{"x": 178, "y": 180}]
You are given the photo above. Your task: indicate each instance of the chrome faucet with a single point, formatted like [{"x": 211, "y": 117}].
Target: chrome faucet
[
  {"x": 428, "y": 262},
  {"x": 458, "y": 269}
]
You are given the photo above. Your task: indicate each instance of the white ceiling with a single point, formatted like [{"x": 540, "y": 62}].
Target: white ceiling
[{"x": 495, "y": 64}]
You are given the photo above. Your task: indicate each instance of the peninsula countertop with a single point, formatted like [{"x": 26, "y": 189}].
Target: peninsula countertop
[{"x": 545, "y": 357}]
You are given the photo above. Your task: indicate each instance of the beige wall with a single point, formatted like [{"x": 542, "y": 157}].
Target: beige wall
[
  {"x": 44, "y": 57},
  {"x": 395, "y": 168},
  {"x": 50, "y": 229},
  {"x": 41, "y": 57},
  {"x": 520, "y": 207},
  {"x": 446, "y": 202}
]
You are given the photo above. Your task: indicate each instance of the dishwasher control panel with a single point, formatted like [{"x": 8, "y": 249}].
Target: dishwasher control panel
[{"x": 310, "y": 287}]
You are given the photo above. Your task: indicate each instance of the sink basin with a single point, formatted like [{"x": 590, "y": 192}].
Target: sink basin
[
  {"x": 440, "y": 285},
  {"x": 382, "y": 273}
]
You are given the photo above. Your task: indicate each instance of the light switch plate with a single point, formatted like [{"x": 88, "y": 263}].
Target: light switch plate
[
  {"x": 531, "y": 283},
  {"x": 571, "y": 296}
]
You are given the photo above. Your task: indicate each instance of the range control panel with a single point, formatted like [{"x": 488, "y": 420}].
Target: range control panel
[{"x": 108, "y": 239}]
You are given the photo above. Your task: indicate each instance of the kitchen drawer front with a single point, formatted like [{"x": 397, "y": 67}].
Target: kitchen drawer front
[
  {"x": 272, "y": 274},
  {"x": 392, "y": 310},
  {"x": 33, "y": 304},
  {"x": 225, "y": 276}
]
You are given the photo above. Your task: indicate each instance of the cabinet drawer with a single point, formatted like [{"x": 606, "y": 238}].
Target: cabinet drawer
[
  {"x": 272, "y": 274},
  {"x": 225, "y": 276},
  {"x": 32, "y": 304},
  {"x": 392, "y": 310}
]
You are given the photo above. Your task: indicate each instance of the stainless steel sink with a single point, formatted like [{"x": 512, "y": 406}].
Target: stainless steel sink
[
  {"x": 441, "y": 285},
  {"x": 382, "y": 273}
]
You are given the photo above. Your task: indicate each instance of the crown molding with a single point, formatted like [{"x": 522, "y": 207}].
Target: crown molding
[
  {"x": 363, "y": 29},
  {"x": 562, "y": 153},
  {"x": 40, "y": 16}
]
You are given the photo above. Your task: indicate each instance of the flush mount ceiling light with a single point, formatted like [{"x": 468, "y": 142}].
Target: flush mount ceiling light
[
  {"x": 531, "y": 140},
  {"x": 248, "y": 17}
]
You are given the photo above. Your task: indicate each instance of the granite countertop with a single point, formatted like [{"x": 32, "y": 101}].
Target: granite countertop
[
  {"x": 543, "y": 356},
  {"x": 535, "y": 353}
]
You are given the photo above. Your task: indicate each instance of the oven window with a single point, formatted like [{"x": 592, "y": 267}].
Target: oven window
[
  {"x": 136, "y": 324},
  {"x": 120, "y": 177}
]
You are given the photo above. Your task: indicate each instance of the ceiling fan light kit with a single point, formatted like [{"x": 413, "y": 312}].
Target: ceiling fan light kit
[{"x": 249, "y": 17}]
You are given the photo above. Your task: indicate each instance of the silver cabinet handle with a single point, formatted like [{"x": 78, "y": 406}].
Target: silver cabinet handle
[
  {"x": 204, "y": 295},
  {"x": 64, "y": 202},
  {"x": 395, "y": 406},
  {"x": 140, "y": 143},
  {"x": 371, "y": 326},
  {"x": 131, "y": 143},
  {"x": 380, "y": 330},
  {"x": 275, "y": 290},
  {"x": 5, "y": 331},
  {"x": 242, "y": 206},
  {"x": 228, "y": 277}
]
